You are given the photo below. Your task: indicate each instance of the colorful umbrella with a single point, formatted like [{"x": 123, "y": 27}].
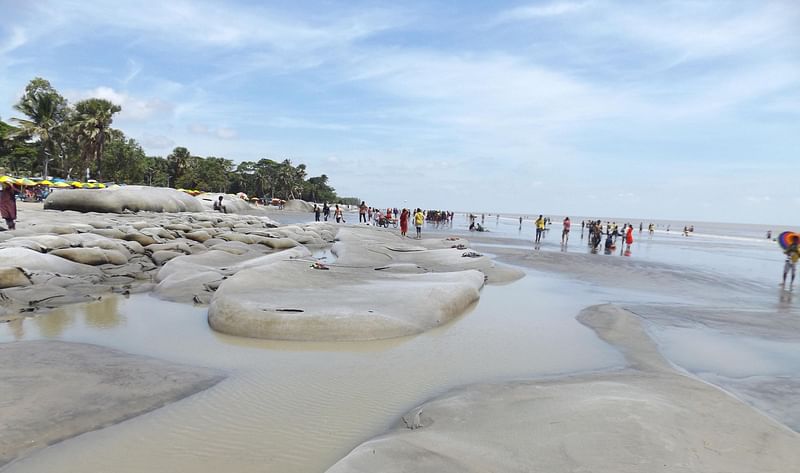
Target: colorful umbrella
[
  {"x": 7, "y": 179},
  {"x": 785, "y": 239},
  {"x": 60, "y": 185},
  {"x": 89, "y": 185},
  {"x": 76, "y": 184},
  {"x": 45, "y": 183},
  {"x": 25, "y": 182},
  {"x": 101, "y": 186}
]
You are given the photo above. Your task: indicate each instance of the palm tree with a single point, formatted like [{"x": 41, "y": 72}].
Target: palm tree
[
  {"x": 46, "y": 111},
  {"x": 93, "y": 124}
]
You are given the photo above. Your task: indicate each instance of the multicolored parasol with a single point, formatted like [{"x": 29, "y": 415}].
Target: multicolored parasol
[{"x": 785, "y": 239}]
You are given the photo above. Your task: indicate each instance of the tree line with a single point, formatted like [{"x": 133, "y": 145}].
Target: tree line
[{"x": 56, "y": 138}]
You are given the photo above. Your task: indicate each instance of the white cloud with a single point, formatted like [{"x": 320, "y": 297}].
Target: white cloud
[
  {"x": 198, "y": 23},
  {"x": 224, "y": 133},
  {"x": 150, "y": 141},
  {"x": 530, "y": 12},
  {"x": 134, "y": 69},
  {"x": 132, "y": 108},
  {"x": 17, "y": 38}
]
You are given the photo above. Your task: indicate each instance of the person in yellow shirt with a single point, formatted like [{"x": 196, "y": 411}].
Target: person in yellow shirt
[
  {"x": 419, "y": 219},
  {"x": 792, "y": 255},
  {"x": 539, "y": 228}
]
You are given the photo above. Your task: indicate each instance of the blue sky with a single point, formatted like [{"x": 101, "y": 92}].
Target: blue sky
[{"x": 675, "y": 109}]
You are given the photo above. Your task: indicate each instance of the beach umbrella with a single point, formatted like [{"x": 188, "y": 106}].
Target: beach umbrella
[
  {"x": 89, "y": 185},
  {"x": 76, "y": 184},
  {"x": 101, "y": 186},
  {"x": 25, "y": 182},
  {"x": 7, "y": 179},
  {"x": 45, "y": 183},
  {"x": 785, "y": 239},
  {"x": 60, "y": 185}
]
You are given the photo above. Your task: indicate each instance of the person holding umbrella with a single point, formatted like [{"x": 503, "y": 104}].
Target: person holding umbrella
[
  {"x": 8, "y": 203},
  {"x": 791, "y": 244}
]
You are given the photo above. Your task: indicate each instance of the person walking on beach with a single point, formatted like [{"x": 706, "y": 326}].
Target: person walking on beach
[
  {"x": 539, "y": 228},
  {"x": 565, "y": 231},
  {"x": 792, "y": 255},
  {"x": 404, "y": 222},
  {"x": 316, "y": 213},
  {"x": 362, "y": 212},
  {"x": 337, "y": 214},
  {"x": 629, "y": 236},
  {"x": 419, "y": 219},
  {"x": 8, "y": 204},
  {"x": 326, "y": 211}
]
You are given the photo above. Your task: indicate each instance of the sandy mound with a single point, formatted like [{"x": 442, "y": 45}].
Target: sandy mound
[
  {"x": 120, "y": 199},
  {"x": 646, "y": 418},
  {"x": 387, "y": 248},
  {"x": 55, "y": 390},
  {"x": 298, "y": 205},
  {"x": 290, "y": 300},
  {"x": 232, "y": 203}
]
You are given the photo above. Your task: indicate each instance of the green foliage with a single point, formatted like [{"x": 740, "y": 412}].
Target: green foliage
[
  {"x": 349, "y": 200},
  {"x": 58, "y": 139}
]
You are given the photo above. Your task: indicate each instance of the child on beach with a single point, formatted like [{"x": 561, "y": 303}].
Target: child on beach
[{"x": 419, "y": 218}]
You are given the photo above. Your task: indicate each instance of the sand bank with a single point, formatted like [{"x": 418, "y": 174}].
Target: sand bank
[
  {"x": 55, "y": 390},
  {"x": 648, "y": 417}
]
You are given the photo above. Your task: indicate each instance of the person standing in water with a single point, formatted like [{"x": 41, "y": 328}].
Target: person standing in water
[
  {"x": 565, "y": 231},
  {"x": 8, "y": 204},
  {"x": 316, "y": 213},
  {"x": 326, "y": 211},
  {"x": 419, "y": 219},
  {"x": 629, "y": 237},
  {"x": 539, "y": 228},
  {"x": 337, "y": 214},
  {"x": 792, "y": 253}
]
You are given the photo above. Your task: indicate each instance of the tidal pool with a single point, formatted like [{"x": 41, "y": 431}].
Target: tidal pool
[{"x": 300, "y": 406}]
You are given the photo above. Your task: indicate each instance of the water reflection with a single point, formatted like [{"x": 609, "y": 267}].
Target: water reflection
[
  {"x": 17, "y": 329},
  {"x": 55, "y": 323},
  {"x": 104, "y": 314}
]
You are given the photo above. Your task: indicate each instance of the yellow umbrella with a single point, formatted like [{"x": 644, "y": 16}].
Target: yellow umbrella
[
  {"x": 45, "y": 183},
  {"x": 101, "y": 185},
  {"x": 60, "y": 184},
  {"x": 76, "y": 184},
  {"x": 90, "y": 185},
  {"x": 7, "y": 178},
  {"x": 25, "y": 182}
]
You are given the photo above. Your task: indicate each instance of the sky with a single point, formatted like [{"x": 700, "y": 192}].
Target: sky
[{"x": 676, "y": 109}]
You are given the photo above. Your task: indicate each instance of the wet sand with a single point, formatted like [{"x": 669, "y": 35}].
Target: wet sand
[
  {"x": 302, "y": 406},
  {"x": 648, "y": 417},
  {"x": 54, "y": 390}
]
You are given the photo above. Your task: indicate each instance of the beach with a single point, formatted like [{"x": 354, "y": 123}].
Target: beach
[{"x": 682, "y": 329}]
